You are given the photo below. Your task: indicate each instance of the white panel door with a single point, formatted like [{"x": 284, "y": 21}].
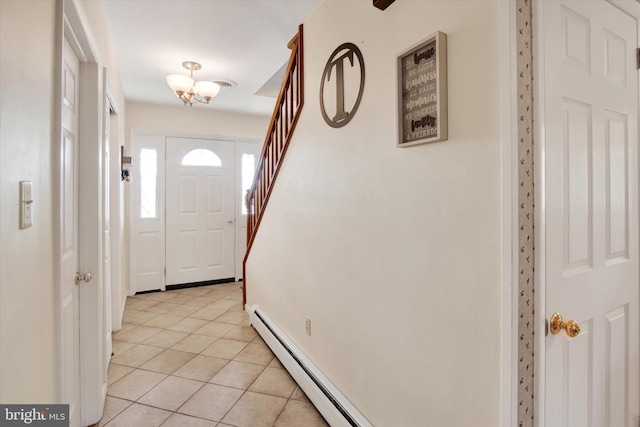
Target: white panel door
[
  {"x": 147, "y": 213},
  {"x": 93, "y": 330},
  {"x": 69, "y": 309},
  {"x": 200, "y": 210},
  {"x": 591, "y": 213}
]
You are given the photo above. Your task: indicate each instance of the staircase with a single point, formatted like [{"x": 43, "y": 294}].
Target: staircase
[{"x": 283, "y": 122}]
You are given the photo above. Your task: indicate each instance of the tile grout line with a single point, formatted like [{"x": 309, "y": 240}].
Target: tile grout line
[{"x": 250, "y": 358}]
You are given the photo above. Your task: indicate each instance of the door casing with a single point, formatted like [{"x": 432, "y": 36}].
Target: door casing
[
  {"x": 139, "y": 138},
  {"x": 71, "y": 25}
]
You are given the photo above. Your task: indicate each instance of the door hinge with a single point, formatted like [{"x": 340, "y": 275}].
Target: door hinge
[
  {"x": 638, "y": 58},
  {"x": 165, "y": 271}
]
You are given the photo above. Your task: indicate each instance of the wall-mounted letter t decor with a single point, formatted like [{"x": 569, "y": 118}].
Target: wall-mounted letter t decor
[{"x": 337, "y": 104}]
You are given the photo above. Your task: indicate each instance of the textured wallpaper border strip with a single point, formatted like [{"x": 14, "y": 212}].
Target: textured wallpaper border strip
[{"x": 526, "y": 205}]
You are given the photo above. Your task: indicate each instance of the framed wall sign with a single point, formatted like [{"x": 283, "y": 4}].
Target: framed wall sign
[{"x": 422, "y": 92}]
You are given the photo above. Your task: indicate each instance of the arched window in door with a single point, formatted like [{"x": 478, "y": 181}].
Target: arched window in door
[{"x": 201, "y": 157}]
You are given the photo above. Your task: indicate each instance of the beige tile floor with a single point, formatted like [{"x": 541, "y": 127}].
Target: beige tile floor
[{"x": 190, "y": 358}]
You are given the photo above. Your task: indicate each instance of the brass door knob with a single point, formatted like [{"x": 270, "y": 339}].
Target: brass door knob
[
  {"x": 557, "y": 324},
  {"x": 86, "y": 277}
]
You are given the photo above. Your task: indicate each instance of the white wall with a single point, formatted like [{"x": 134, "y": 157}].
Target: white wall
[
  {"x": 197, "y": 120},
  {"x": 27, "y": 294},
  {"x": 394, "y": 253}
]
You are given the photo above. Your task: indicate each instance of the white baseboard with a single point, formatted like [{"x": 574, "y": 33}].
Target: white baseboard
[
  {"x": 332, "y": 404},
  {"x": 123, "y": 304}
]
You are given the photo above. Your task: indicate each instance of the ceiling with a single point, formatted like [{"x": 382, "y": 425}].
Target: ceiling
[{"x": 240, "y": 40}]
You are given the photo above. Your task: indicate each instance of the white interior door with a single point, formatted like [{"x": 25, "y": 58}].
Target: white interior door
[
  {"x": 147, "y": 213},
  {"x": 69, "y": 309},
  {"x": 590, "y": 167},
  {"x": 93, "y": 330},
  {"x": 200, "y": 210}
]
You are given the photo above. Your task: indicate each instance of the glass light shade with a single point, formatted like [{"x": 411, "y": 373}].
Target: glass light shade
[
  {"x": 207, "y": 89},
  {"x": 179, "y": 82}
]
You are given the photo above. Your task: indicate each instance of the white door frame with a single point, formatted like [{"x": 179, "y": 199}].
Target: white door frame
[
  {"x": 118, "y": 297},
  {"x": 70, "y": 24},
  {"x": 633, "y": 8},
  {"x": 240, "y": 220},
  {"x": 509, "y": 215}
]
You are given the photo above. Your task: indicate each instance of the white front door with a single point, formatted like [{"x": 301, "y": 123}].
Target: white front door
[
  {"x": 590, "y": 173},
  {"x": 200, "y": 210},
  {"x": 69, "y": 301}
]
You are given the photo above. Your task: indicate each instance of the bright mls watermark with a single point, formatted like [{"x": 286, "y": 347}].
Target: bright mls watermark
[{"x": 34, "y": 415}]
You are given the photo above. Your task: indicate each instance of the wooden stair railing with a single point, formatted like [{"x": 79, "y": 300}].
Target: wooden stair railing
[{"x": 283, "y": 122}]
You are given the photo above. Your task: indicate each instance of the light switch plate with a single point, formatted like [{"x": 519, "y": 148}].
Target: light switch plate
[{"x": 26, "y": 204}]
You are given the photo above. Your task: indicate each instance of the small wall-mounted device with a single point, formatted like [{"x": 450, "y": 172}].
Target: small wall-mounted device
[
  {"x": 26, "y": 202},
  {"x": 125, "y": 162}
]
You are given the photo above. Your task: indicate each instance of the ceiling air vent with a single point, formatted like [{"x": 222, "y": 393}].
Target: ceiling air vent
[{"x": 226, "y": 83}]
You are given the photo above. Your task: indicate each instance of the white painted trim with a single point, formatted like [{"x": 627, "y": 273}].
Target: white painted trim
[
  {"x": 311, "y": 389},
  {"x": 57, "y": 192},
  {"x": 112, "y": 100},
  {"x": 539, "y": 211},
  {"x": 123, "y": 303},
  {"x": 115, "y": 198},
  {"x": 79, "y": 33},
  {"x": 115, "y": 208},
  {"x": 509, "y": 216},
  {"x": 107, "y": 243}
]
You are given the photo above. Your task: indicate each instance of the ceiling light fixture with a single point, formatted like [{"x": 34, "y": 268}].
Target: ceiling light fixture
[{"x": 188, "y": 92}]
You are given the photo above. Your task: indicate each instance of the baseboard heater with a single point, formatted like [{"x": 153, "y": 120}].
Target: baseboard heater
[{"x": 332, "y": 404}]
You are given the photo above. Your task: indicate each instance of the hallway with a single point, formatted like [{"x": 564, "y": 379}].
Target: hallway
[{"x": 190, "y": 358}]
